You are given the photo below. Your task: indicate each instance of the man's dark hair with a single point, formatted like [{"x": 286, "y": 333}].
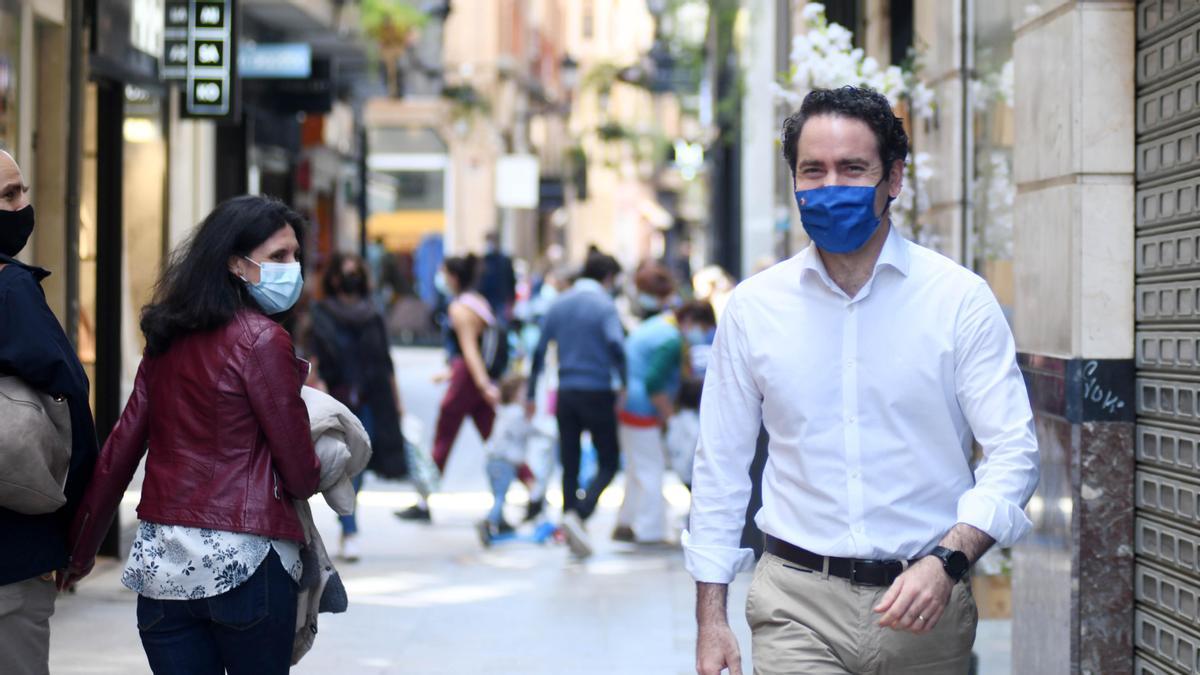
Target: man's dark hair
[
  {"x": 859, "y": 103},
  {"x": 196, "y": 291},
  {"x": 600, "y": 266},
  {"x": 699, "y": 311}
]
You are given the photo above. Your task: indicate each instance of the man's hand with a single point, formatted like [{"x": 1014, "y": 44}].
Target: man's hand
[
  {"x": 916, "y": 598},
  {"x": 75, "y": 571},
  {"x": 530, "y": 409},
  {"x": 619, "y": 407},
  {"x": 717, "y": 649},
  {"x": 716, "y": 645}
]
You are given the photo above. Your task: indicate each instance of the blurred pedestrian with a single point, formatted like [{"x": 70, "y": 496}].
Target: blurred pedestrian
[
  {"x": 507, "y": 450},
  {"x": 472, "y": 392},
  {"x": 350, "y": 343},
  {"x": 654, "y": 359},
  {"x": 697, "y": 324},
  {"x": 34, "y": 348},
  {"x": 498, "y": 280},
  {"x": 584, "y": 324},
  {"x": 216, "y": 558},
  {"x": 874, "y": 365}
]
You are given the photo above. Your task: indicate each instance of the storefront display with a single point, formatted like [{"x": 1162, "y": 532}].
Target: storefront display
[{"x": 991, "y": 107}]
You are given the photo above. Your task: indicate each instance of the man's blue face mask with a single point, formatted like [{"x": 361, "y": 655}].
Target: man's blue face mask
[{"x": 840, "y": 218}]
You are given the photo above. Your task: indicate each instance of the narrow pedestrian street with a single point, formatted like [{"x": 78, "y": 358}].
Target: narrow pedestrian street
[{"x": 429, "y": 599}]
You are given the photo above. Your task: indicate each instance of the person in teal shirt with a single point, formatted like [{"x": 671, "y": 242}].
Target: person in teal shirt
[{"x": 654, "y": 359}]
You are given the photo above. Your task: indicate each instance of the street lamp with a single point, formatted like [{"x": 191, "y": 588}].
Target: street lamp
[{"x": 569, "y": 73}]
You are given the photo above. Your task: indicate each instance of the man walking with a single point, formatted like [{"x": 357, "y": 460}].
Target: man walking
[
  {"x": 498, "y": 281},
  {"x": 34, "y": 348},
  {"x": 872, "y": 362},
  {"x": 583, "y": 322}
]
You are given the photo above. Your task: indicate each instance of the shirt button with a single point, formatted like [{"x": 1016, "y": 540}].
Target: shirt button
[
  {"x": 855, "y": 475},
  {"x": 858, "y": 529}
]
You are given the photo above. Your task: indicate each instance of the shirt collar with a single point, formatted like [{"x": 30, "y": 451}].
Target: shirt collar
[
  {"x": 586, "y": 284},
  {"x": 37, "y": 272},
  {"x": 894, "y": 254}
]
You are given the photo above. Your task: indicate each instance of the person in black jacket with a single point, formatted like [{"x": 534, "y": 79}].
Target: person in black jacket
[
  {"x": 34, "y": 348},
  {"x": 349, "y": 341}
]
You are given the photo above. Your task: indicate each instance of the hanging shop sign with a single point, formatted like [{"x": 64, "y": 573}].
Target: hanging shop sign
[
  {"x": 283, "y": 61},
  {"x": 199, "y": 49}
]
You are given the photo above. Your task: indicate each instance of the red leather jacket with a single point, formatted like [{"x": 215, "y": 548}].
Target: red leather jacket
[{"x": 229, "y": 438}]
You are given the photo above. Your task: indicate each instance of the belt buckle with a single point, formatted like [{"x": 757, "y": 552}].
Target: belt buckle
[{"x": 854, "y": 567}]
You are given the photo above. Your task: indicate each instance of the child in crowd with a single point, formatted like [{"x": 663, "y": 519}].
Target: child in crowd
[
  {"x": 506, "y": 452},
  {"x": 683, "y": 430}
]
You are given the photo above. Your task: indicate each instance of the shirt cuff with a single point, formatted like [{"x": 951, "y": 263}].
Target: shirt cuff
[
  {"x": 715, "y": 564},
  {"x": 1002, "y": 520}
]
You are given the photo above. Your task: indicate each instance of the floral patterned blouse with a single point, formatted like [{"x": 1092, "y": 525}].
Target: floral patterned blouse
[{"x": 173, "y": 562}]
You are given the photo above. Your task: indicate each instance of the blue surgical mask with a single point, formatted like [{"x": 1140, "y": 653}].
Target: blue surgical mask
[
  {"x": 648, "y": 303},
  {"x": 696, "y": 336},
  {"x": 839, "y": 218},
  {"x": 439, "y": 283},
  {"x": 278, "y": 287}
]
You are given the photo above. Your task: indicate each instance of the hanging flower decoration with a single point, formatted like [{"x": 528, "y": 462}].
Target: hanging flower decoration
[{"x": 824, "y": 57}]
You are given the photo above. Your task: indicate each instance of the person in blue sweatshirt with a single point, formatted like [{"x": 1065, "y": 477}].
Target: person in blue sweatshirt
[{"x": 584, "y": 324}]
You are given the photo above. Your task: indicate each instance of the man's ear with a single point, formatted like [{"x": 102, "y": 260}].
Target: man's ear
[{"x": 896, "y": 178}]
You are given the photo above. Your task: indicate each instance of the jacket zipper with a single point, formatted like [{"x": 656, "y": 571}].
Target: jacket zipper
[{"x": 275, "y": 476}]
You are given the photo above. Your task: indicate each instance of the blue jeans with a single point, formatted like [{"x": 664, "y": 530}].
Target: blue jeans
[
  {"x": 501, "y": 475},
  {"x": 248, "y": 630},
  {"x": 350, "y": 523}
]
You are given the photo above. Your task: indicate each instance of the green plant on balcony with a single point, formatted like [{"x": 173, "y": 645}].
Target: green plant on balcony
[
  {"x": 467, "y": 101},
  {"x": 613, "y": 132}
]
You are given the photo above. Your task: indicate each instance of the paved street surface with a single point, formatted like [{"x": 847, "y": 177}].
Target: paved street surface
[{"x": 430, "y": 600}]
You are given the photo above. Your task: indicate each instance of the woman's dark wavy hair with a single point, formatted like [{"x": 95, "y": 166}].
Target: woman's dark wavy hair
[
  {"x": 465, "y": 270},
  {"x": 860, "y": 103},
  {"x": 196, "y": 292}
]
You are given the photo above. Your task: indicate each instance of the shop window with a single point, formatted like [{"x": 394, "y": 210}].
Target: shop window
[{"x": 991, "y": 107}]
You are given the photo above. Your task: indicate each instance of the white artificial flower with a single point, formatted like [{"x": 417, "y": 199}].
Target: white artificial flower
[
  {"x": 785, "y": 95},
  {"x": 839, "y": 37},
  {"x": 812, "y": 12},
  {"x": 869, "y": 67},
  {"x": 1005, "y": 85},
  {"x": 922, "y": 98}
]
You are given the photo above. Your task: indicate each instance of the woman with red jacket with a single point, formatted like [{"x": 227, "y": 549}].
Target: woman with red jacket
[{"x": 216, "y": 560}]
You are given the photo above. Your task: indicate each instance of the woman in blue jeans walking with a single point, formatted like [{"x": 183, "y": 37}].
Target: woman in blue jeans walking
[{"x": 216, "y": 400}]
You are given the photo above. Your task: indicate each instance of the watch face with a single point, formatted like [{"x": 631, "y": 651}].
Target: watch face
[{"x": 957, "y": 564}]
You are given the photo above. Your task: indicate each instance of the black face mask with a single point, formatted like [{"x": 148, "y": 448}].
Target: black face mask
[
  {"x": 15, "y": 228},
  {"x": 354, "y": 284}
]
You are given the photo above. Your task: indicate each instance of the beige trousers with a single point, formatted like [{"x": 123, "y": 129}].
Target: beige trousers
[
  {"x": 804, "y": 622},
  {"x": 25, "y": 610}
]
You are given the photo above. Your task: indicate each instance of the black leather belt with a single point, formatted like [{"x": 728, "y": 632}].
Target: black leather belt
[{"x": 864, "y": 572}]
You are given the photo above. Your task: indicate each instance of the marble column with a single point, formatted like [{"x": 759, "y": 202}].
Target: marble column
[{"x": 1074, "y": 322}]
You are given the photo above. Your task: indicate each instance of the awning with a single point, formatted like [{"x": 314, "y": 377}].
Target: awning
[{"x": 403, "y": 230}]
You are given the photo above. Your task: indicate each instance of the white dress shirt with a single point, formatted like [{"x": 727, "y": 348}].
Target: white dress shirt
[{"x": 871, "y": 404}]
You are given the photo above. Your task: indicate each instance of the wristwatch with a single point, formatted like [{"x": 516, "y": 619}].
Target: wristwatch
[{"x": 954, "y": 562}]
